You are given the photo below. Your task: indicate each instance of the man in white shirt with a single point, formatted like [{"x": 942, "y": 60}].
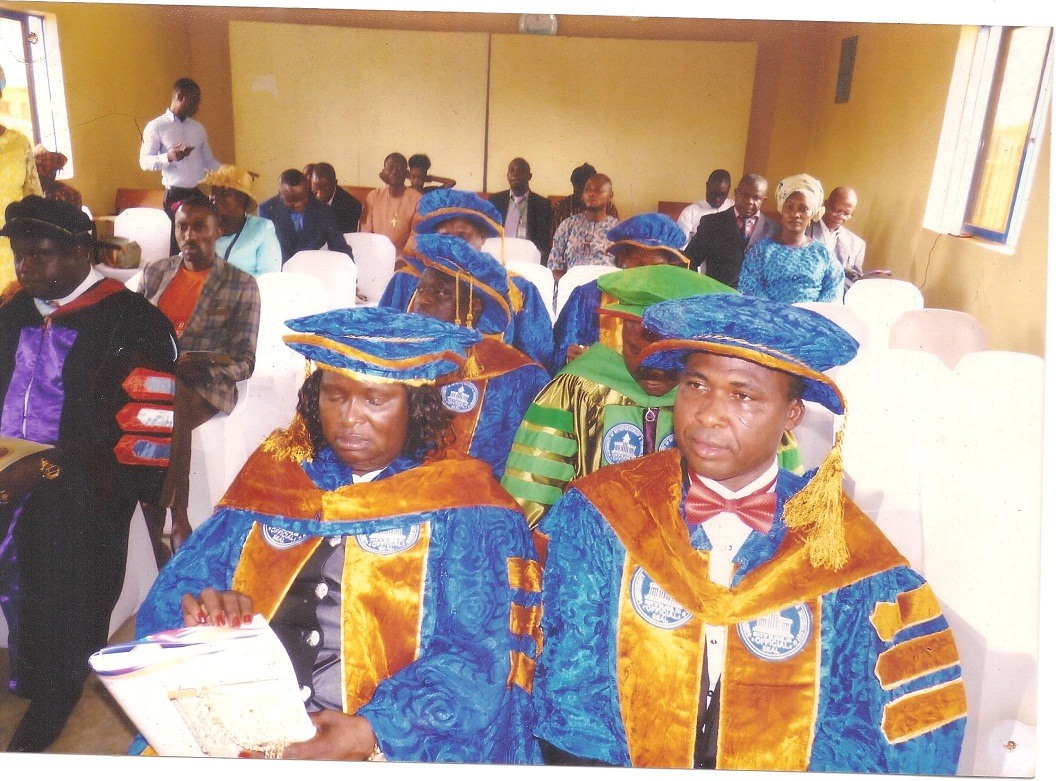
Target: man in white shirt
[
  {"x": 832, "y": 231},
  {"x": 717, "y": 186},
  {"x": 176, "y": 145}
]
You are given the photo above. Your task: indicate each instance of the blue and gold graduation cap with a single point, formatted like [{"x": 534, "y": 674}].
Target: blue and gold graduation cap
[
  {"x": 652, "y": 231},
  {"x": 378, "y": 344},
  {"x": 440, "y": 205},
  {"x": 456, "y": 258},
  {"x": 784, "y": 338}
]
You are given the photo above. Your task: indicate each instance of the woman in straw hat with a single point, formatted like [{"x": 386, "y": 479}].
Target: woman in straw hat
[{"x": 247, "y": 242}]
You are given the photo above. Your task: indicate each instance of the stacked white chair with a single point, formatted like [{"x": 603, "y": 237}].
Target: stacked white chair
[
  {"x": 575, "y": 277},
  {"x": 894, "y": 398},
  {"x": 948, "y": 333},
  {"x": 842, "y": 316},
  {"x": 509, "y": 251},
  {"x": 150, "y": 228},
  {"x": 334, "y": 269},
  {"x": 982, "y": 495},
  {"x": 267, "y": 400},
  {"x": 375, "y": 257},
  {"x": 541, "y": 278},
  {"x": 879, "y": 302}
]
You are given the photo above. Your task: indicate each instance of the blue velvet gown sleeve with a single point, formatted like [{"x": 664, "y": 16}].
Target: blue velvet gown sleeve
[
  {"x": 849, "y": 736},
  {"x": 454, "y": 702},
  {"x": 532, "y": 324},
  {"x": 399, "y": 291},
  {"x": 208, "y": 558},
  {"x": 575, "y": 693},
  {"x": 578, "y": 323},
  {"x": 506, "y": 400}
]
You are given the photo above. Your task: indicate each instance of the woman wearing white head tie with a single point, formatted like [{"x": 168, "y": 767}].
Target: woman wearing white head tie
[{"x": 790, "y": 267}]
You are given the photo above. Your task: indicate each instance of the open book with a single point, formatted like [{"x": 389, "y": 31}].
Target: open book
[{"x": 207, "y": 691}]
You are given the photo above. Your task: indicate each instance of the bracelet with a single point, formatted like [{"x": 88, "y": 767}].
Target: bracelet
[{"x": 376, "y": 754}]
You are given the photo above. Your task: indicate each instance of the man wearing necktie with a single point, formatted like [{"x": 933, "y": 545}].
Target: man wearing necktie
[
  {"x": 721, "y": 239},
  {"x": 707, "y": 608}
]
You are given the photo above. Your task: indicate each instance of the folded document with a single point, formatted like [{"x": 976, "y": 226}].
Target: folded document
[{"x": 207, "y": 691}]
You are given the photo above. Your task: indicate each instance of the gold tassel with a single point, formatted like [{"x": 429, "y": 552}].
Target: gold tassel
[
  {"x": 292, "y": 442},
  {"x": 818, "y": 511}
]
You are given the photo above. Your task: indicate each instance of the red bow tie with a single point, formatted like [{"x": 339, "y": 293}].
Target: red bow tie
[{"x": 756, "y": 510}]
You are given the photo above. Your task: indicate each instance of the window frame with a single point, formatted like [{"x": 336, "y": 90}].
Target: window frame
[
  {"x": 978, "y": 77},
  {"x": 44, "y": 71}
]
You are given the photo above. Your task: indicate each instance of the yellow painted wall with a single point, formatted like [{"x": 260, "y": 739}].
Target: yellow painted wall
[
  {"x": 119, "y": 65},
  {"x": 357, "y": 95},
  {"x": 883, "y": 142},
  {"x": 552, "y": 112},
  {"x": 656, "y": 116}
]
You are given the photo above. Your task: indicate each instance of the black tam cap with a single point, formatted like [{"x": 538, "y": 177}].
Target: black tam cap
[{"x": 38, "y": 218}]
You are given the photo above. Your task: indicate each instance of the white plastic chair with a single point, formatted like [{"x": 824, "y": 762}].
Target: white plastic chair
[
  {"x": 87, "y": 211},
  {"x": 982, "y": 499},
  {"x": 578, "y": 275},
  {"x": 509, "y": 251},
  {"x": 842, "y": 316},
  {"x": 334, "y": 269},
  {"x": 133, "y": 282},
  {"x": 948, "y": 333},
  {"x": 375, "y": 257},
  {"x": 123, "y": 275},
  {"x": 879, "y": 302},
  {"x": 140, "y": 572},
  {"x": 894, "y": 399},
  {"x": 150, "y": 228},
  {"x": 267, "y": 400},
  {"x": 540, "y": 276}
]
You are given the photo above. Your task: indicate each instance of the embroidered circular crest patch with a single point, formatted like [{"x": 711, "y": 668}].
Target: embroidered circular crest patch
[
  {"x": 460, "y": 396},
  {"x": 282, "y": 538},
  {"x": 667, "y": 443},
  {"x": 389, "y": 540},
  {"x": 622, "y": 442},
  {"x": 778, "y": 636},
  {"x": 654, "y": 605}
]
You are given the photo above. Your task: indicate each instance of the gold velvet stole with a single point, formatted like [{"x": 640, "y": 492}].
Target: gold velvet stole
[
  {"x": 382, "y": 606},
  {"x": 660, "y": 729},
  {"x": 385, "y": 620},
  {"x": 487, "y": 359},
  {"x": 609, "y": 325}
]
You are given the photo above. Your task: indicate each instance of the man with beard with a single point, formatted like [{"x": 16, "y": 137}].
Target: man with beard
[{"x": 214, "y": 308}]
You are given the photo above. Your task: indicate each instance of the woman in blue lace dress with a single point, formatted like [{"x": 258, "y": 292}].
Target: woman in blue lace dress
[{"x": 790, "y": 267}]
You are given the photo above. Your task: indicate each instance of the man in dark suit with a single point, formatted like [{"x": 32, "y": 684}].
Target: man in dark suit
[
  {"x": 721, "y": 240},
  {"x": 526, "y": 214},
  {"x": 301, "y": 222},
  {"x": 325, "y": 189}
]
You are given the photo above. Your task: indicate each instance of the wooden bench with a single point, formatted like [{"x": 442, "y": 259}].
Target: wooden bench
[{"x": 672, "y": 209}]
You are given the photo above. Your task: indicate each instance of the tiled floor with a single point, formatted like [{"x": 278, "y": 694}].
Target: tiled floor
[{"x": 97, "y": 725}]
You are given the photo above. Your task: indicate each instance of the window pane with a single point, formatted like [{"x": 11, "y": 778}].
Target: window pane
[
  {"x": 999, "y": 171},
  {"x": 15, "y": 109}
]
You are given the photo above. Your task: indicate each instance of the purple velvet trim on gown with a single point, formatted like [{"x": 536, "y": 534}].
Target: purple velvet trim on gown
[{"x": 34, "y": 398}]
